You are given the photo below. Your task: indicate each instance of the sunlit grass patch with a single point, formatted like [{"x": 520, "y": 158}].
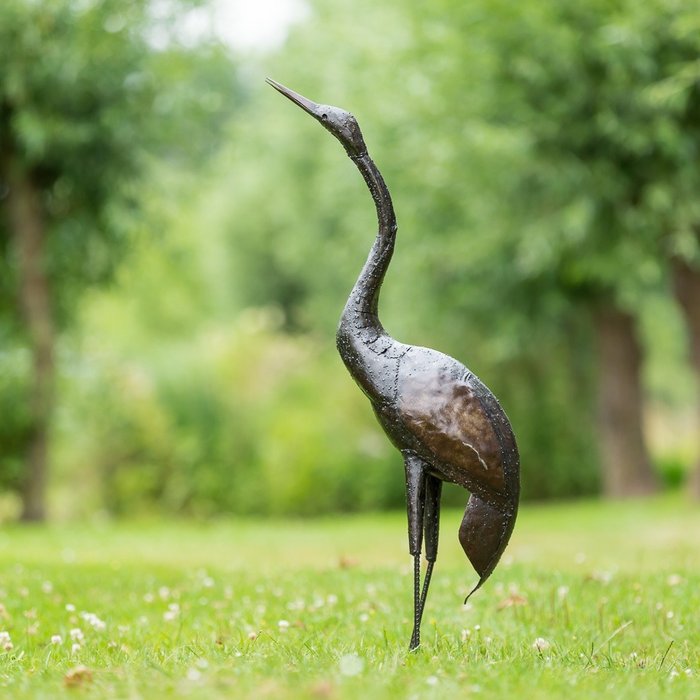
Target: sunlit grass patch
[{"x": 590, "y": 600}]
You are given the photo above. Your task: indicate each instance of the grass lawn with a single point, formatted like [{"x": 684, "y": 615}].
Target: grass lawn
[{"x": 591, "y": 600}]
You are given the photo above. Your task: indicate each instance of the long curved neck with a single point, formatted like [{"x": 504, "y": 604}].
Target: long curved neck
[
  {"x": 367, "y": 351},
  {"x": 364, "y": 297}
]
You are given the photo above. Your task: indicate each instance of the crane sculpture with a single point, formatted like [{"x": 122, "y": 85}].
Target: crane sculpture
[{"x": 443, "y": 420}]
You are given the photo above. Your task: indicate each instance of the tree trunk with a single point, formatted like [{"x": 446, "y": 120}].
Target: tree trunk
[
  {"x": 686, "y": 286},
  {"x": 26, "y": 221},
  {"x": 627, "y": 469}
]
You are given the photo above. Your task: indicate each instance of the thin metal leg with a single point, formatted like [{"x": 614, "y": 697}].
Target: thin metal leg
[
  {"x": 415, "y": 502},
  {"x": 417, "y": 610},
  {"x": 431, "y": 519}
]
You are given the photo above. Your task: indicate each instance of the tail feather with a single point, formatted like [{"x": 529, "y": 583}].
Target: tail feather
[{"x": 484, "y": 535}]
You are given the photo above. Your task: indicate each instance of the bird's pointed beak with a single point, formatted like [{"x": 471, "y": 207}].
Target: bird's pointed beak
[{"x": 307, "y": 105}]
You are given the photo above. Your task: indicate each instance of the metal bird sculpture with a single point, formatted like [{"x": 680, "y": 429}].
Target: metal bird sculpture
[{"x": 447, "y": 425}]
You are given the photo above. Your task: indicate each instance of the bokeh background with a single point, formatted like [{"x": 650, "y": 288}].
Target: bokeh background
[{"x": 177, "y": 242}]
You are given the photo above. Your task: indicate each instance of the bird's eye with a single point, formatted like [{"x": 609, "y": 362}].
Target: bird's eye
[{"x": 324, "y": 116}]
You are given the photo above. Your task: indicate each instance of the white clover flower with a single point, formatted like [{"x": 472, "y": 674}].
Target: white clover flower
[
  {"x": 283, "y": 624},
  {"x": 603, "y": 577},
  {"x": 56, "y": 639},
  {"x": 541, "y": 644},
  {"x": 76, "y": 634},
  {"x": 172, "y": 612},
  {"x": 432, "y": 680},
  {"x": 70, "y": 607},
  {"x": 94, "y": 621},
  {"x": 193, "y": 674},
  {"x": 351, "y": 665},
  {"x": 75, "y": 648},
  {"x": 4, "y": 637}
]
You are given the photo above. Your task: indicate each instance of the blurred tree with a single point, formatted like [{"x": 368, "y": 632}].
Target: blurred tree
[
  {"x": 81, "y": 95},
  {"x": 686, "y": 286},
  {"x": 607, "y": 93},
  {"x": 677, "y": 95}
]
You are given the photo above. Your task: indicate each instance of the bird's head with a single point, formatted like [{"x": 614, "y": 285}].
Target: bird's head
[{"x": 340, "y": 123}]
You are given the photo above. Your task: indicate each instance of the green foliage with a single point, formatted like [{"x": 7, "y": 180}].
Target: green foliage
[
  {"x": 69, "y": 120},
  {"x": 614, "y": 136},
  {"x": 558, "y": 455},
  {"x": 86, "y": 104},
  {"x": 542, "y": 156},
  {"x": 83, "y": 99},
  {"x": 196, "y": 90},
  {"x": 242, "y": 419}
]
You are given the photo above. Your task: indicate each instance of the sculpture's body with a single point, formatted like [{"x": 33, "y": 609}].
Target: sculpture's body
[{"x": 447, "y": 425}]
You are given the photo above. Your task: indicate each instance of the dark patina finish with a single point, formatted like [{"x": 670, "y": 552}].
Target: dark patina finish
[{"x": 447, "y": 425}]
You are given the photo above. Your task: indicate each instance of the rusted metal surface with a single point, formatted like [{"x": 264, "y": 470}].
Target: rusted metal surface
[{"x": 445, "y": 422}]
